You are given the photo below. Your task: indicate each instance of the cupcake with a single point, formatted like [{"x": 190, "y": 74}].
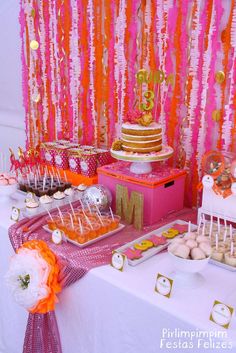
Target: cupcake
[
  {"x": 69, "y": 192},
  {"x": 32, "y": 205},
  {"x": 59, "y": 195},
  {"x": 45, "y": 200},
  {"x": 81, "y": 187}
]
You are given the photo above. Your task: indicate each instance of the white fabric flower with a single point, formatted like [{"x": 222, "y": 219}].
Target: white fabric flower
[{"x": 27, "y": 277}]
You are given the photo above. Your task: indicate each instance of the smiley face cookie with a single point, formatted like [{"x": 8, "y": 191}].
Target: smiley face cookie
[
  {"x": 144, "y": 245},
  {"x": 170, "y": 233}
]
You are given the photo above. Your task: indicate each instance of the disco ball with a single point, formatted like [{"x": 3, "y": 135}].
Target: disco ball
[{"x": 98, "y": 195}]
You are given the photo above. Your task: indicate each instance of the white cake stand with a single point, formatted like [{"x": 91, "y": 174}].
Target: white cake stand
[{"x": 141, "y": 162}]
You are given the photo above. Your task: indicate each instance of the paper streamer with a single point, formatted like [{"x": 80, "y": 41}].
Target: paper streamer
[{"x": 79, "y": 80}]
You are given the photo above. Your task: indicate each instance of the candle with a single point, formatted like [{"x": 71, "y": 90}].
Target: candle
[
  {"x": 96, "y": 206},
  {"x": 218, "y": 225},
  {"x": 28, "y": 179},
  {"x": 60, "y": 214},
  {"x": 89, "y": 207},
  {"x": 65, "y": 176},
  {"x": 225, "y": 223},
  {"x": 112, "y": 215},
  {"x": 217, "y": 241},
  {"x": 211, "y": 225},
  {"x": 189, "y": 227},
  {"x": 100, "y": 219},
  {"x": 230, "y": 231},
  {"x": 199, "y": 224},
  {"x": 225, "y": 235},
  {"x": 204, "y": 224},
  {"x": 88, "y": 221},
  {"x": 81, "y": 205},
  {"x": 49, "y": 214},
  {"x": 204, "y": 227},
  {"x": 58, "y": 178},
  {"x": 44, "y": 181},
  {"x": 51, "y": 175},
  {"x": 80, "y": 225},
  {"x": 72, "y": 209},
  {"x": 231, "y": 248},
  {"x": 72, "y": 223}
]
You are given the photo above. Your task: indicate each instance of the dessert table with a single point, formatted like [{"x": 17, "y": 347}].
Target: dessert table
[{"x": 111, "y": 311}]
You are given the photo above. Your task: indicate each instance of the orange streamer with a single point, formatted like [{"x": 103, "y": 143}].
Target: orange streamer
[
  {"x": 195, "y": 180},
  {"x": 107, "y": 32},
  {"x": 173, "y": 122},
  {"x": 226, "y": 36},
  {"x": 85, "y": 75}
]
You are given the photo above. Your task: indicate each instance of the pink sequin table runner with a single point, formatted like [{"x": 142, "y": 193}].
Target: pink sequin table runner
[{"x": 42, "y": 335}]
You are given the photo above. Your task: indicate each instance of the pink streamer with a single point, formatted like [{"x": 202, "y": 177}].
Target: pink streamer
[
  {"x": 211, "y": 101},
  {"x": 24, "y": 70},
  {"x": 131, "y": 64},
  {"x": 169, "y": 66},
  {"x": 111, "y": 65}
]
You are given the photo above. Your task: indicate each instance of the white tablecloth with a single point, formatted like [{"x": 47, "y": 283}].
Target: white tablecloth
[{"x": 111, "y": 311}]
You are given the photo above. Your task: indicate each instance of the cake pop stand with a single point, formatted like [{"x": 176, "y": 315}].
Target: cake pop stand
[{"x": 141, "y": 162}]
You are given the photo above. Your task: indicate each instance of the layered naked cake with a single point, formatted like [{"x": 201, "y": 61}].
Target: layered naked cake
[{"x": 141, "y": 139}]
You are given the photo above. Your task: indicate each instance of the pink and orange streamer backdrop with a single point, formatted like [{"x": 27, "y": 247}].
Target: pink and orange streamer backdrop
[{"x": 80, "y": 81}]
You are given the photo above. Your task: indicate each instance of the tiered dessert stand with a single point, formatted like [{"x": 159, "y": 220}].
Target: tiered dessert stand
[{"x": 141, "y": 162}]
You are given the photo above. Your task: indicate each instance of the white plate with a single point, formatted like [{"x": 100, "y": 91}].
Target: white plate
[
  {"x": 28, "y": 212},
  {"x": 103, "y": 236},
  {"x": 223, "y": 265},
  {"x": 154, "y": 250}
]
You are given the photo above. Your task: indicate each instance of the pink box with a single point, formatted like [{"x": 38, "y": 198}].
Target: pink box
[
  {"x": 163, "y": 188},
  {"x": 61, "y": 157},
  {"x": 88, "y": 163},
  {"x": 103, "y": 157},
  {"x": 74, "y": 160},
  {"x": 47, "y": 152}
]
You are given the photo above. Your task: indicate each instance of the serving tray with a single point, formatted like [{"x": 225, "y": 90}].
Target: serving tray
[
  {"x": 154, "y": 250},
  {"x": 222, "y": 265},
  {"x": 103, "y": 236}
]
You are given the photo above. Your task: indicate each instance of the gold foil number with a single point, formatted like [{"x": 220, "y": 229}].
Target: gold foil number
[{"x": 149, "y": 95}]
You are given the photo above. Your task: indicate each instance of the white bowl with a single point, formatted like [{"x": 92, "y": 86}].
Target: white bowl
[
  {"x": 188, "y": 265},
  {"x": 7, "y": 190}
]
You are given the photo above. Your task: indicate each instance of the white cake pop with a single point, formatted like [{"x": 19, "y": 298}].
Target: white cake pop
[
  {"x": 182, "y": 251},
  {"x": 197, "y": 254},
  {"x": 202, "y": 238},
  {"x": 206, "y": 248},
  {"x": 191, "y": 235},
  {"x": 191, "y": 243},
  {"x": 173, "y": 245}
]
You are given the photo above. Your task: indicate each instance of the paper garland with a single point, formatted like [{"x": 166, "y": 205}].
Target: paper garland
[{"x": 79, "y": 74}]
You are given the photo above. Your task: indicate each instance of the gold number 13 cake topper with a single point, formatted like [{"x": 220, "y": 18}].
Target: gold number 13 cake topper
[{"x": 149, "y": 95}]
